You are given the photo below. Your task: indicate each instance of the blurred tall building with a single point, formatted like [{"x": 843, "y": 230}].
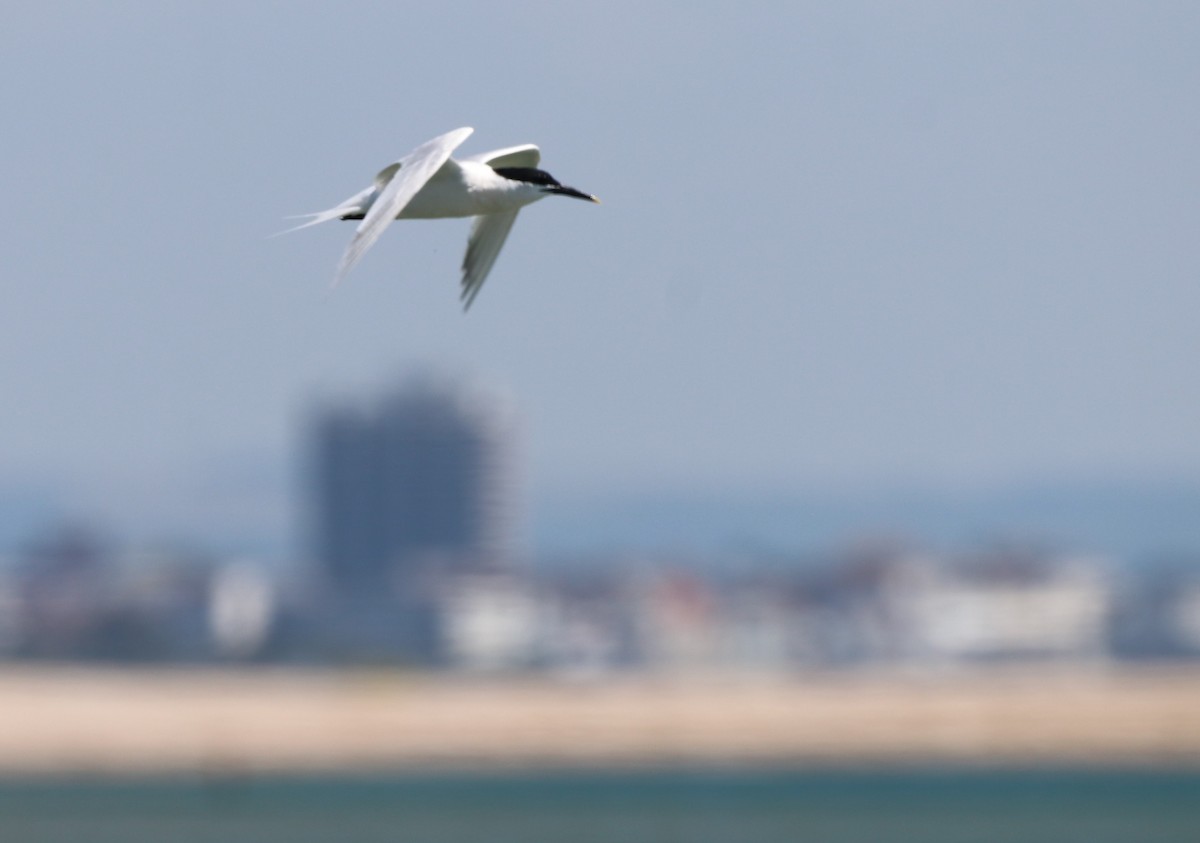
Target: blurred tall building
[{"x": 417, "y": 487}]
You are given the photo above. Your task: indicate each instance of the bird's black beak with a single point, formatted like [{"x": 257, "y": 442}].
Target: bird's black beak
[{"x": 563, "y": 190}]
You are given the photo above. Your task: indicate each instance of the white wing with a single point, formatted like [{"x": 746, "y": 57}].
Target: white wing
[
  {"x": 404, "y": 180},
  {"x": 525, "y": 155},
  {"x": 488, "y": 233}
]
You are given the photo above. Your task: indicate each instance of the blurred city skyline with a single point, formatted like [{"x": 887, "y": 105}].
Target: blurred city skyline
[
  {"x": 411, "y": 516},
  {"x": 846, "y": 252}
]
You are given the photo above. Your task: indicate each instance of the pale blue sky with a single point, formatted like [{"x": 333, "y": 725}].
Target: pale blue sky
[{"x": 841, "y": 245}]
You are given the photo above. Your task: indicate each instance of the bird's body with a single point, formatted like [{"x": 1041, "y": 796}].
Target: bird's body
[
  {"x": 468, "y": 189},
  {"x": 429, "y": 184}
]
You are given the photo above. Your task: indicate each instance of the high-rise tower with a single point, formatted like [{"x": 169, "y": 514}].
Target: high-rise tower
[{"x": 416, "y": 487}]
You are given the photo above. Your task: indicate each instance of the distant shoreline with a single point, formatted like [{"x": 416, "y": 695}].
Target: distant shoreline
[{"x": 119, "y": 721}]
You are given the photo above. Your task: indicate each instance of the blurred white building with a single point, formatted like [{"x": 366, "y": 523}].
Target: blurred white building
[
  {"x": 241, "y": 609},
  {"x": 1059, "y": 610},
  {"x": 489, "y": 622}
]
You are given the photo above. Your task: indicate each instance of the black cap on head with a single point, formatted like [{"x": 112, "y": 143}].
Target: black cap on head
[
  {"x": 531, "y": 175},
  {"x": 549, "y": 184}
]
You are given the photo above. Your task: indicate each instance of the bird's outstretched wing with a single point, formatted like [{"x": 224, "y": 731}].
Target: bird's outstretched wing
[
  {"x": 525, "y": 155},
  {"x": 488, "y": 233},
  {"x": 397, "y": 184}
]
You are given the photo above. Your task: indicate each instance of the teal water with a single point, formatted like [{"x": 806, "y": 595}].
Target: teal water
[{"x": 1065, "y": 806}]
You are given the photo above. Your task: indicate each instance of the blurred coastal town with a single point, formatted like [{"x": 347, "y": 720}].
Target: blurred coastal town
[{"x": 413, "y": 560}]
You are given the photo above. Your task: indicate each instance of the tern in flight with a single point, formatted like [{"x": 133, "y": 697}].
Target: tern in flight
[{"x": 428, "y": 184}]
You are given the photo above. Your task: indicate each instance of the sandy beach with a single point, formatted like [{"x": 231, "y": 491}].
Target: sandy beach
[{"x": 74, "y": 720}]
